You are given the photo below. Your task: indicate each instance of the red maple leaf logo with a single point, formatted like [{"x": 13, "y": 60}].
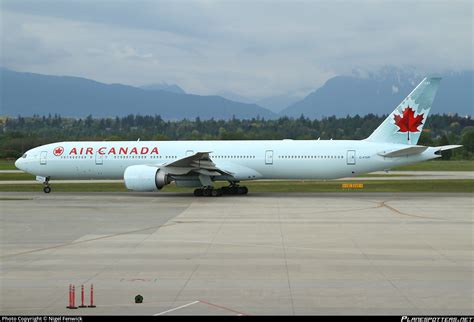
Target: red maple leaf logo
[
  {"x": 58, "y": 151},
  {"x": 407, "y": 122}
]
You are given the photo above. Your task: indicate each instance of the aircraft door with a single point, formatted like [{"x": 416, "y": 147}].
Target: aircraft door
[
  {"x": 269, "y": 157},
  {"x": 351, "y": 157},
  {"x": 43, "y": 157},
  {"x": 99, "y": 158},
  {"x": 189, "y": 152}
]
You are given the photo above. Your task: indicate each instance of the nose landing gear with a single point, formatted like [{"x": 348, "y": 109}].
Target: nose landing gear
[{"x": 45, "y": 182}]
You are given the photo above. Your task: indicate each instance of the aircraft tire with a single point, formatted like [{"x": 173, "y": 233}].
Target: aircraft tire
[
  {"x": 198, "y": 192},
  {"x": 47, "y": 189},
  {"x": 242, "y": 190},
  {"x": 206, "y": 192}
]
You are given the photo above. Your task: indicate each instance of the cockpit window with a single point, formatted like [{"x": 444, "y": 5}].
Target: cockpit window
[{"x": 24, "y": 156}]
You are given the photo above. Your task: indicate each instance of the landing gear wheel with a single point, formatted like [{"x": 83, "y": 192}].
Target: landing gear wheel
[
  {"x": 47, "y": 189},
  {"x": 216, "y": 192},
  {"x": 206, "y": 192},
  {"x": 242, "y": 190},
  {"x": 234, "y": 189},
  {"x": 198, "y": 193}
]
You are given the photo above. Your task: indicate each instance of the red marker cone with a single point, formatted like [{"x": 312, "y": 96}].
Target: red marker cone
[
  {"x": 82, "y": 296},
  {"x": 92, "y": 296},
  {"x": 71, "y": 297}
]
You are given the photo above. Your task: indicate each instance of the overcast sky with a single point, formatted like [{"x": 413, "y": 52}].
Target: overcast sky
[{"x": 255, "y": 48}]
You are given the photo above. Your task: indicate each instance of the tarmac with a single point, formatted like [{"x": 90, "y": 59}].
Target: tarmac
[{"x": 264, "y": 253}]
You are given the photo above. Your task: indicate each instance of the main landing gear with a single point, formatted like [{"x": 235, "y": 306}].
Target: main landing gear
[
  {"x": 233, "y": 189},
  {"x": 207, "y": 192}
]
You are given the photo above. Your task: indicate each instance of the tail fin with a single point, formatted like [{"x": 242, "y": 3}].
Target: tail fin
[{"x": 405, "y": 123}]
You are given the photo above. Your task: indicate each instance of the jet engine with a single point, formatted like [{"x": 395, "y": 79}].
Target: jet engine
[{"x": 145, "y": 178}]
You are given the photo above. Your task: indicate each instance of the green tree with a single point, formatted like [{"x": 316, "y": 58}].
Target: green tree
[
  {"x": 467, "y": 140},
  {"x": 425, "y": 138},
  {"x": 446, "y": 155}
]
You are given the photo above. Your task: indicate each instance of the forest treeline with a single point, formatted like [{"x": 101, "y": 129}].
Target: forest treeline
[{"x": 19, "y": 134}]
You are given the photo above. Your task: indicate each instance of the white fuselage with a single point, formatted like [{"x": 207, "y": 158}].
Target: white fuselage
[{"x": 247, "y": 160}]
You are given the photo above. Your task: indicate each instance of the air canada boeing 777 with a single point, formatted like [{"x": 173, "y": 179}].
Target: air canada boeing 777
[{"x": 150, "y": 165}]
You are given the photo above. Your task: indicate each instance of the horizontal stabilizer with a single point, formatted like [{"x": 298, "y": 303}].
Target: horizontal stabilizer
[
  {"x": 415, "y": 149},
  {"x": 447, "y": 147}
]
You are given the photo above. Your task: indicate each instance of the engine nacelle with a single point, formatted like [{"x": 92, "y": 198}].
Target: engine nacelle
[{"x": 145, "y": 178}]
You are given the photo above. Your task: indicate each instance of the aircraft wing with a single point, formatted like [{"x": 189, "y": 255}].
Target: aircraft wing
[{"x": 199, "y": 163}]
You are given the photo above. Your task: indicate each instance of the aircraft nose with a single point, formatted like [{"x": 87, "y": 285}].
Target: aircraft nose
[{"x": 18, "y": 163}]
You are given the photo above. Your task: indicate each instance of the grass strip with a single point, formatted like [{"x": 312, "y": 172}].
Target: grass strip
[
  {"x": 7, "y": 164},
  {"x": 16, "y": 176},
  {"x": 438, "y": 165}
]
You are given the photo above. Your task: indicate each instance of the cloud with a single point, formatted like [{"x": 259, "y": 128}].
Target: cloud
[
  {"x": 128, "y": 52},
  {"x": 185, "y": 18},
  {"x": 20, "y": 46},
  {"x": 253, "y": 48}
]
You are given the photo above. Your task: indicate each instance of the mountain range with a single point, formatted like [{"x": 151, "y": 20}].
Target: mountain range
[
  {"x": 173, "y": 88},
  {"x": 28, "y": 94},
  {"x": 381, "y": 93},
  {"x": 378, "y": 93}
]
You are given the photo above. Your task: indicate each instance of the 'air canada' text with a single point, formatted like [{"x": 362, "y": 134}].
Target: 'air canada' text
[{"x": 115, "y": 151}]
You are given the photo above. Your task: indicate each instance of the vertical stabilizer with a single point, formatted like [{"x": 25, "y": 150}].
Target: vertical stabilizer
[{"x": 405, "y": 123}]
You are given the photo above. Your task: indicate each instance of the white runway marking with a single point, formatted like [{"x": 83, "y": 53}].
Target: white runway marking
[{"x": 176, "y": 308}]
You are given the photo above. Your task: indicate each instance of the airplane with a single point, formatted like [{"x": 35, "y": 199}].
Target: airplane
[{"x": 151, "y": 165}]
